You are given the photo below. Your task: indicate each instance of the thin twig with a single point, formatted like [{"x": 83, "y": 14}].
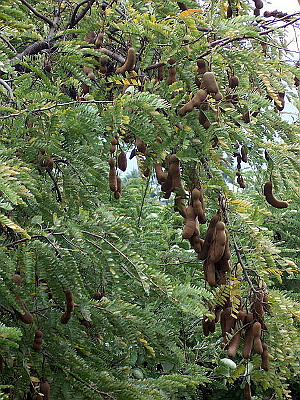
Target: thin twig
[
  {"x": 59, "y": 198},
  {"x": 113, "y": 55},
  {"x": 8, "y": 43},
  {"x": 81, "y": 15},
  {"x": 143, "y": 201},
  {"x": 36, "y": 13},
  {"x": 238, "y": 254},
  {"x": 8, "y": 88},
  {"x": 55, "y": 105},
  {"x": 75, "y": 11}
]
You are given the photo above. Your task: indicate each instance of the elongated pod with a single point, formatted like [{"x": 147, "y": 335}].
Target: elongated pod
[
  {"x": 268, "y": 192},
  {"x": 129, "y": 62}
]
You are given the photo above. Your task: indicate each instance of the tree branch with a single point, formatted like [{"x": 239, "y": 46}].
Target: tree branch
[
  {"x": 35, "y": 12},
  {"x": 74, "y": 21},
  {"x": 34, "y": 48},
  {"x": 8, "y": 43},
  {"x": 8, "y": 88}
]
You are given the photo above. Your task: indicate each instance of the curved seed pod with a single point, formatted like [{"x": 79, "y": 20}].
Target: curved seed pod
[
  {"x": 209, "y": 82},
  {"x": 234, "y": 344},
  {"x": 240, "y": 180},
  {"x": 99, "y": 40},
  {"x": 171, "y": 72},
  {"x": 122, "y": 161},
  {"x": 161, "y": 176},
  {"x": 209, "y": 236},
  {"x": 282, "y": 101},
  {"x": 45, "y": 390},
  {"x": 89, "y": 72},
  {"x": 174, "y": 171},
  {"x": 129, "y": 62},
  {"x": 190, "y": 223},
  {"x": 258, "y": 4},
  {"x": 160, "y": 73},
  {"x": 257, "y": 345},
  {"x": 98, "y": 295},
  {"x": 90, "y": 37},
  {"x": 196, "y": 242},
  {"x": 203, "y": 120},
  {"x": 119, "y": 185},
  {"x": 102, "y": 67},
  {"x": 230, "y": 320},
  {"x": 140, "y": 144},
  {"x": 246, "y": 117},
  {"x": 179, "y": 205},
  {"x": 69, "y": 301},
  {"x": 268, "y": 192},
  {"x": 265, "y": 357},
  {"x": 217, "y": 247},
  {"x": 248, "y": 340},
  {"x": 226, "y": 254},
  {"x": 210, "y": 273},
  {"x": 114, "y": 141},
  {"x": 112, "y": 177},
  {"x": 17, "y": 279},
  {"x": 217, "y": 96},
  {"x": 201, "y": 64},
  {"x": 38, "y": 339},
  {"x": 229, "y": 12},
  {"x": 199, "y": 98},
  {"x": 247, "y": 391},
  {"x": 241, "y": 315},
  {"x": 112, "y": 148},
  {"x": 233, "y": 81},
  {"x": 244, "y": 154},
  {"x": 27, "y": 317},
  {"x": 212, "y": 325}
]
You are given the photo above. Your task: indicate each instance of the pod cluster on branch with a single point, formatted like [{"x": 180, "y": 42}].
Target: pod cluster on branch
[{"x": 65, "y": 318}]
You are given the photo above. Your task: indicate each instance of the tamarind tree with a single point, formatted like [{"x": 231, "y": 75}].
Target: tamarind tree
[{"x": 180, "y": 283}]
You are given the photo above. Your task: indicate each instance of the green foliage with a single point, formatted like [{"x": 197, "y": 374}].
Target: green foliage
[{"x": 140, "y": 292}]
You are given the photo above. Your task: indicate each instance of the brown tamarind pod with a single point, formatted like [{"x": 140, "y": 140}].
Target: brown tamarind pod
[
  {"x": 161, "y": 176},
  {"x": 229, "y": 11},
  {"x": 112, "y": 148},
  {"x": 265, "y": 357},
  {"x": 171, "y": 71},
  {"x": 69, "y": 301},
  {"x": 119, "y": 184},
  {"x": 234, "y": 344},
  {"x": 244, "y": 154},
  {"x": 182, "y": 6},
  {"x": 65, "y": 318},
  {"x": 17, "y": 279},
  {"x": 129, "y": 62},
  {"x": 281, "y": 96},
  {"x": 199, "y": 97},
  {"x": 27, "y": 317},
  {"x": 247, "y": 391},
  {"x": 89, "y": 72},
  {"x": 160, "y": 73},
  {"x": 190, "y": 223},
  {"x": 257, "y": 345},
  {"x": 122, "y": 161},
  {"x": 114, "y": 141},
  {"x": 212, "y": 325},
  {"x": 98, "y": 295},
  {"x": 256, "y": 12},
  {"x": 248, "y": 340},
  {"x": 112, "y": 177},
  {"x": 205, "y": 325},
  {"x": 174, "y": 171},
  {"x": 197, "y": 202},
  {"x": 217, "y": 96},
  {"x": 201, "y": 64},
  {"x": 210, "y": 273},
  {"x": 241, "y": 315},
  {"x": 240, "y": 180},
  {"x": 217, "y": 247},
  {"x": 229, "y": 320},
  {"x": 258, "y": 4},
  {"x": 209, "y": 236},
  {"x": 203, "y": 120},
  {"x": 246, "y": 117},
  {"x": 196, "y": 242},
  {"x": 38, "y": 339},
  {"x": 233, "y": 81},
  {"x": 159, "y": 139},
  {"x": 99, "y": 40},
  {"x": 209, "y": 82},
  {"x": 90, "y": 37},
  {"x": 45, "y": 390},
  {"x": 268, "y": 192},
  {"x": 102, "y": 66},
  {"x": 167, "y": 185},
  {"x": 179, "y": 205},
  {"x": 140, "y": 144}
]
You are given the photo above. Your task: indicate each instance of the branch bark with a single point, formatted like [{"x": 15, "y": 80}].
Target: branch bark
[
  {"x": 74, "y": 20},
  {"x": 8, "y": 88},
  {"x": 36, "y": 13}
]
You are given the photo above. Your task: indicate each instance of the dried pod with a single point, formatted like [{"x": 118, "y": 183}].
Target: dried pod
[
  {"x": 17, "y": 279},
  {"x": 89, "y": 72},
  {"x": 90, "y": 37},
  {"x": 161, "y": 176},
  {"x": 210, "y": 273},
  {"x": 209, "y": 82},
  {"x": 229, "y": 11},
  {"x": 209, "y": 236},
  {"x": 203, "y": 120},
  {"x": 119, "y": 185},
  {"x": 247, "y": 391},
  {"x": 129, "y": 62},
  {"x": 234, "y": 343},
  {"x": 45, "y": 390},
  {"x": 27, "y": 317},
  {"x": 179, "y": 205},
  {"x": 197, "y": 202},
  {"x": 38, "y": 339},
  {"x": 265, "y": 357},
  {"x": 217, "y": 247},
  {"x": 258, "y": 4},
  {"x": 117, "y": 195},
  {"x": 99, "y": 40},
  {"x": 244, "y": 154},
  {"x": 199, "y": 98},
  {"x": 112, "y": 148},
  {"x": 69, "y": 307},
  {"x": 233, "y": 81},
  {"x": 174, "y": 171},
  {"x": 122, "y": 161},
  {"x": 246, "y": 117},
  {"x": 201, "y": 64},
  {"x": 268, "y": 192},
  {"x": 102, "y": 67},
  {"x": 112, "y": 177},
  {"x": 205, "y": 325},
  {"x": 240, "y": 180},
  {"x": 114, "y": 141},
  {"x": 190, "y": 223},
  {"x": 160, "y": 73},
  {"x": 217, "y": 96},
  {"x": 248, "y": 340},
  {"x": 281, "y": 96},
  {"x": 196, "y": 242},
  {"x": 171, "y": 72},
  {"x": 98, "y": 295},
  {"x": 141, "y": 146}
]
